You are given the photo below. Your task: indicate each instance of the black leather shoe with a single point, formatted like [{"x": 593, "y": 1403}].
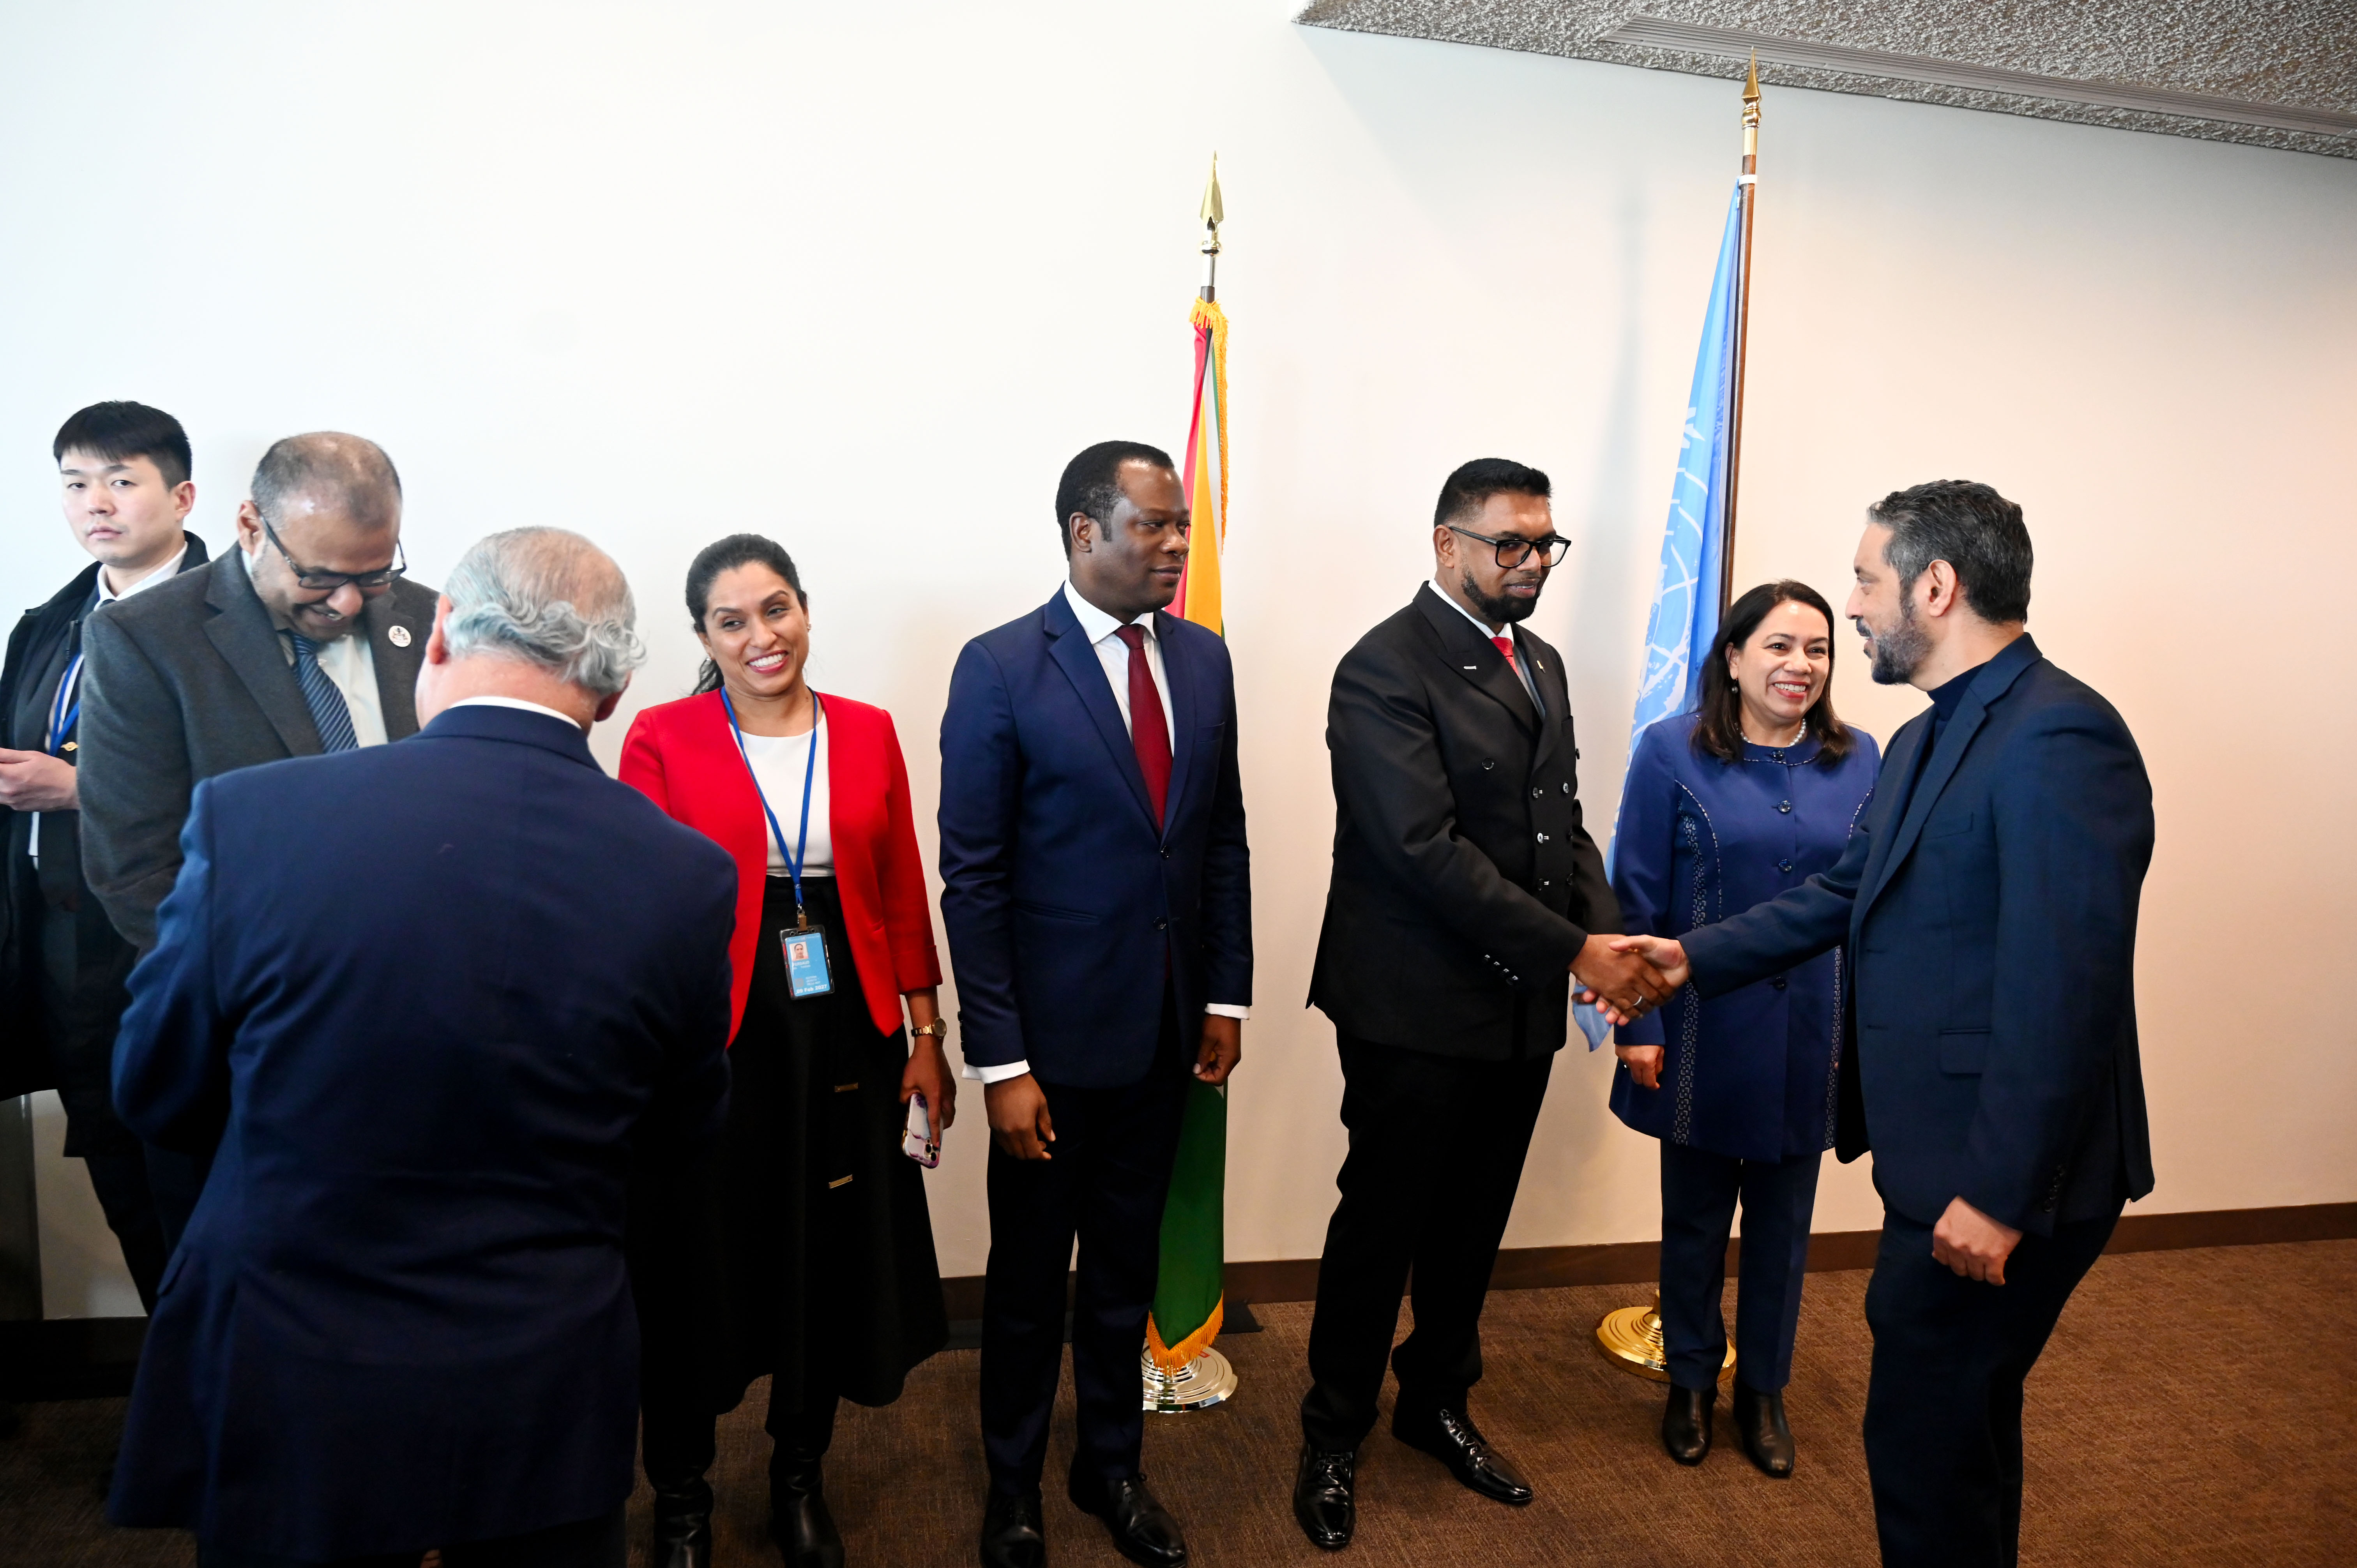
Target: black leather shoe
[
  {"x": 1142, "y": 1529},
  {"x": 1685, "y": 1425},
  {"x": 799, "y": 1521},
  {"x": 1012, "y": 1533},
  {"x": 1450, "y": 1436},
  {"x": 681, "y": 1540},
  {"x": 1760, "y": 1423},
  {"x": 1322, "y": 1498}
]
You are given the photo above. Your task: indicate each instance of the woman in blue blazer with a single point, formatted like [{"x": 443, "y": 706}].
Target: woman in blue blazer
[{"x": 1724, "y": 808}]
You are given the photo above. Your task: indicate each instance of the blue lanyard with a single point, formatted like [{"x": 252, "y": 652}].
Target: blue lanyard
[
  {"x": 793, "y": 856},
  {"x": 62, "y": 718}
]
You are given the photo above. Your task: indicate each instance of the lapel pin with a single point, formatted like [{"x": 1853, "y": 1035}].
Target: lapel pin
[{"x": 398, "y": 636}]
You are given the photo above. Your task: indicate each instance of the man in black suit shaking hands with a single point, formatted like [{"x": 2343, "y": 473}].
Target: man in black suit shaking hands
[
  {"x": 1466, "y": 895},
  {"x": 1988, "y": 901}
]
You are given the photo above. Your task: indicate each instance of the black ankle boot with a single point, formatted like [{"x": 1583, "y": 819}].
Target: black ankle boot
[
  {"x": 1760, "y": 1423},
  {"x": 1685, "y": 1425},
  {"x": 799, "y": 1519},
  {"x": 683, "y": 1528}
]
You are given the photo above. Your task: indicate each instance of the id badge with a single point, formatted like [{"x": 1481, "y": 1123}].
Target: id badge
[{"x": 806, "y": 972}]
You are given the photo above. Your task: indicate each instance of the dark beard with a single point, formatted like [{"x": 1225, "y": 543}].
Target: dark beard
[
  {"x": 1899, "y": 652},
  {"x": 1499, "y": 611}
]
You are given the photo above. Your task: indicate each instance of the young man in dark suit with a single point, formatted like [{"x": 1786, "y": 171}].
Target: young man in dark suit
[
  {"x": 1098, "y": 898},
  {"x": 1465, "y": 897},
  {"x": 399, "y": 1319},
  {"x": 124, "y": 472},
  {"x": 1988, "y": 901},
  {"x": 304, "y": 640}
]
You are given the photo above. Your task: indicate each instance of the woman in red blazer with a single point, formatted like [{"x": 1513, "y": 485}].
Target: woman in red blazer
[{"x": 803, "y": 1252}]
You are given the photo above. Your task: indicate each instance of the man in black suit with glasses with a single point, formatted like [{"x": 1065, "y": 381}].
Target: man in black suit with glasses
[{"x": 1467, "y": 895}]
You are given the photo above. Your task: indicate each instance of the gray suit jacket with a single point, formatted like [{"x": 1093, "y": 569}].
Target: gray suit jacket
[{"x": 190, "y": 680}]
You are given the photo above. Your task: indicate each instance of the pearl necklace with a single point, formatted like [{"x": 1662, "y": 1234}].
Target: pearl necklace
[{"x": 1773, "y": 745}]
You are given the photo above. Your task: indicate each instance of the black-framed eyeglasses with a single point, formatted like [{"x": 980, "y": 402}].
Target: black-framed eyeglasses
[
  {"x": 366, "y": 582},
  {"x": 1512, "y": 551}
]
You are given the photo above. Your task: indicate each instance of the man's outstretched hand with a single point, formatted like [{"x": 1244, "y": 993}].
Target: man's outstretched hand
[
  {"x": 1623, "y": 985},
  {"x": 1660, "y": 964}
]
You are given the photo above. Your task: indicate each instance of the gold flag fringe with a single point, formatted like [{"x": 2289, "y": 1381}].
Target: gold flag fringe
[{"x": 1172, "y": 1358}]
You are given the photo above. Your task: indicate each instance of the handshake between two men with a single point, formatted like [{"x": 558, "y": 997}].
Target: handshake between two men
[{"x": 1627, "y": 977}]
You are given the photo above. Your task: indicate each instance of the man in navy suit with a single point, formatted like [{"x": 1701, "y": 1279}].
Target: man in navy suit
[
  {"x": 1989, "y": 904},
  {"x": 429, "y": 1002},
  {"x": 1098, "y": 898}
]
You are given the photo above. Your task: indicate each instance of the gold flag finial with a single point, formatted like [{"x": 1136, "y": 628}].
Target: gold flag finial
[
  {"x": 1213, "y": 214},
  {"x": 1751, "y": 92}
]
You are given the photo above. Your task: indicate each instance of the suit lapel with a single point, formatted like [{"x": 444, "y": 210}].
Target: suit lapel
[
  {"x": 1475, "y": 658},
  {"x": 1074, "y": 655},
  {"x": 241, "y": 630},
  {"x": 1553, "y": 686},
  {"x": 1178, "y": 675},
  {"x": 397, "y": 648}
]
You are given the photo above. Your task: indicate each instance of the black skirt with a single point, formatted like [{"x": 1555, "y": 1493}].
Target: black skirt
[{"x": 803, "y": 1250}]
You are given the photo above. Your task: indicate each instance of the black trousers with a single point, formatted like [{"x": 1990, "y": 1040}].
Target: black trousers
[
  {"x": 585, "y": 1543},
  {"x": 1699, "y": 1190},
  {"x": 1437, "y": 1149},
  {"x": 82, "y": 966},
  {"x": 1105, "y": 1185},
  {"x": 679, "y": 1437},
  {"x": 1943, "y": 1402}
]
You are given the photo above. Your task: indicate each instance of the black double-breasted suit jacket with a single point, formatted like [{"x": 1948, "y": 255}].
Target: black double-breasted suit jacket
[{"x": 1464, "y": 880}]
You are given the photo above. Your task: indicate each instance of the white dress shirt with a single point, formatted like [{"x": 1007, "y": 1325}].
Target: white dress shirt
[
  {"x": 65, "y": 697},
  {"x": 1530, "y": 681},
  {"x": 1104, "y": 633},
  {"x": 518, "y": 704}
]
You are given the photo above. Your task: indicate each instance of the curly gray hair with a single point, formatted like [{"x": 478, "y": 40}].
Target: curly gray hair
[{"x": 548, "y": 597}]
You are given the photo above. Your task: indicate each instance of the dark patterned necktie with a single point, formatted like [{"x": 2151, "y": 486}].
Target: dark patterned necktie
[
  {"x": 1149, "y": 733},
  {"x": 328, "y": 710}
]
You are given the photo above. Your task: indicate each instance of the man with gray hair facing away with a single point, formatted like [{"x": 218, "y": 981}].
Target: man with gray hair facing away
[{"x": 430, "y": 1002}]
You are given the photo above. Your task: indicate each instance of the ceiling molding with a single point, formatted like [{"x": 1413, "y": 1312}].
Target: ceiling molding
[{"x": 2276, "y": 73}]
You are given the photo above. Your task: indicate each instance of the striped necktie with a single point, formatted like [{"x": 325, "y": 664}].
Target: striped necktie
[{"x": 328, "y": 710}]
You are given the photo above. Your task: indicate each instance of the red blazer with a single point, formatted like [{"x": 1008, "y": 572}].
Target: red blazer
[{"x": 682, "y": 757}]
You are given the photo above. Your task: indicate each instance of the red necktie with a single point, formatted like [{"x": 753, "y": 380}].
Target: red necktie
[
  {"x": 1506, "y": 647},
  {"x": 1149, "y": 734}
]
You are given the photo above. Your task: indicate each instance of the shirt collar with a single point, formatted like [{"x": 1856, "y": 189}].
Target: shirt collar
[
  {"x": 171, "y": 568},
  {"x": 518, "y": 703},
  {"x": 1948, "y": 695},
  {"x": 1478, "y": 624},
  {"x": 1095, "y": 625}
]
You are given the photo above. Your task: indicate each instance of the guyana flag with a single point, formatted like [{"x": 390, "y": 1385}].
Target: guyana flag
[{"x": 1186, "y": 1316}]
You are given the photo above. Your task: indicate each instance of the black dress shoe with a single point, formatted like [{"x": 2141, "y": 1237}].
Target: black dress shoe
[
  {"x": 1450, "y": 1436},
  {"x": 1322, "y": 1498},
  {"x": 1142, "y": 1529},
  {"x": 1760, "y": 1423},
  {"x": 799, "y": 1521},
  {"x": 681, "y": 1540},
  {"x": 1685, "y": 1425},
  {"x": 1012, "y": 1533}
]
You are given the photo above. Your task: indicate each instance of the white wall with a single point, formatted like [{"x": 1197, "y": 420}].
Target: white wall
[{"x": 863, "y": 279}]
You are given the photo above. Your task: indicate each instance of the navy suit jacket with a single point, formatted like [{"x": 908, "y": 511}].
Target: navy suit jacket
[
  {"x": 430, "y": 1000},
  {"x": 1065, "y": 904},
  {"x": 1989, "y": 902}
]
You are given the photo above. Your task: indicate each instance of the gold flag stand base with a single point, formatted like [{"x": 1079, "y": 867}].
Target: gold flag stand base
[
  {"x": 1200, "y": 1384},
  {"x": 1631, "y": 1339}
]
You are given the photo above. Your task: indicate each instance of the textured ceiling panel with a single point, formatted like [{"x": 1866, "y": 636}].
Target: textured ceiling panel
[{"x": 2276, "y": 74}]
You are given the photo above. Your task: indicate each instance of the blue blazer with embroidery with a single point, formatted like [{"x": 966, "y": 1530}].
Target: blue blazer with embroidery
[
  {"x": 1751, "y": 1073},
  {"x": 1065, "y": 904},
  {"x": 1990, "y": 905}
]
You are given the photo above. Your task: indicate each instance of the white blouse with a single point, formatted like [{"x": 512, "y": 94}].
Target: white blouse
[{"x": 780, "y": 763}]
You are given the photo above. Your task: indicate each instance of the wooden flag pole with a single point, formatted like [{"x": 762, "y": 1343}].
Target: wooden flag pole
[{"x": 1749, "y": 185}]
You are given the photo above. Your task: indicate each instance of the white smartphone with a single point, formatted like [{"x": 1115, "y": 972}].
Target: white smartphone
[{"x": 921, "y": 1143}]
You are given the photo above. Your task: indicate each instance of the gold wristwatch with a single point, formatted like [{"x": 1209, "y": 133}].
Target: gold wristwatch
[{"x": 939, "y": 1030}]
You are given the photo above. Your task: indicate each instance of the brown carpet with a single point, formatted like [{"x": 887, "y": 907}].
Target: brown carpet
[{"x": 2195, "y": 1407}]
